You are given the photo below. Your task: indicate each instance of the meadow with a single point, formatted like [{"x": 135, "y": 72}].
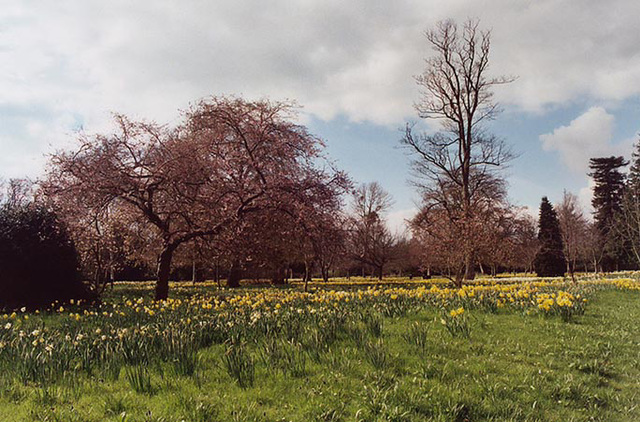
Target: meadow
[{"x": 503, "y": 349}]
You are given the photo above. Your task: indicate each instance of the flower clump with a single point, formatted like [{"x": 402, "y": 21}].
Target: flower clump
[{"x": 131, "y": 331}]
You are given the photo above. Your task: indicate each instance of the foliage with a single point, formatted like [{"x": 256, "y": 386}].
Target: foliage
[
  {"x": 139, "y": 379},
  {"x": 417, "y": 335},
  {"x": 456, "y": 322},
  {"x": 562, "y": 303},
  {"x": 268, "y": 336},
  {"x": 239, "y": 364},
  {"x": 38, "y": 261}
]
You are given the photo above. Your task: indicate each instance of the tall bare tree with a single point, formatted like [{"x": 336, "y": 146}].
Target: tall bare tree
[
  {"x": 457, "y": 165},
  {"x": 573, "y": 227}
]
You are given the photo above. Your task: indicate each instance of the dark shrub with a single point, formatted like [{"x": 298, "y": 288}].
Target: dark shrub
[{"x": 38, "y": 261}]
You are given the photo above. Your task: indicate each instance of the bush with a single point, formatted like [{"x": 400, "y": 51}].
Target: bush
[{"x": 38, "y": 261}]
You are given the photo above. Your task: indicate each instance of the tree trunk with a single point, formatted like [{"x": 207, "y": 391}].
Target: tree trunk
[
  {"x": 573, "y": 270},
  {"x": 469, "y": 270},
  {"x": 307, "y": 276},
  {"x": 307, "y": 271},
  {"x": 380, "y": 268},
  {"x": 458, "y": 280},
  {"x": 277, "y": 277},
  {"x": 216, "y": 274},
  {"x": 233, "y": 280},
  {"x": 325, "y": 274},
  {"x": 193, "y": 272},
  {"x": 164, "y": 268}
]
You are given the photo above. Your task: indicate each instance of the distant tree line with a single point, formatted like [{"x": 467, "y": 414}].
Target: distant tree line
[{"x": 608, "y": 242}]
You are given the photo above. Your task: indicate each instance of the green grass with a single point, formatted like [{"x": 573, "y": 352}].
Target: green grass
[{"x": 513, "y": 366}]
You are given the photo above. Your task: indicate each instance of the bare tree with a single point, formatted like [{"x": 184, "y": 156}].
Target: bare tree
[
  {"x": 17, "y": 192},
  {"x": 500, "y": 229},
  {"x": 456, "y": 166},
  {"x": 371, "y": 242},
  {"x": 525, "y": 242},
  {"x": 574, "y": 227},
  {"x": 627, "y": 226},
  {"x": 593, "y": 248},
  {"x": 446, "y": 242}
]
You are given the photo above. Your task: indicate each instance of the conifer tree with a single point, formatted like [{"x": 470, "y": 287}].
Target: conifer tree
[
  {"x": 550, "y": 260},
  {"x": 607, "y": 204}
]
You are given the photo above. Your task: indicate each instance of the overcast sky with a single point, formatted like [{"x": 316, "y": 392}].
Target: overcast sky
[{"x": 66, "y": 64}]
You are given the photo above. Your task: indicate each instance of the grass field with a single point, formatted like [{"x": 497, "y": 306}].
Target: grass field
[{"x": 405, "y": 353}]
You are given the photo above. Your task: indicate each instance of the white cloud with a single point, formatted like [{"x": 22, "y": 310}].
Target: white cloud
[
  {"x": 589, "y": 135},
  {"x": 584, "y": 197},
  {"x": 357, "y": 58}
]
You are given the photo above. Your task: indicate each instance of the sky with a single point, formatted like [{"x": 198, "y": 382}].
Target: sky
[{"x": 67, "y": 65}]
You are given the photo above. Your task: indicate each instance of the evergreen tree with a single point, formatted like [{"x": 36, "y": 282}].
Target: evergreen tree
[
  {"x": 550, "y": 260},
  {"x": 607, "y": 204}
]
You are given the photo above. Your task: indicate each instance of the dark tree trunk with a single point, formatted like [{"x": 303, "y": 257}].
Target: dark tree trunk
[
  {"x": 216, "y": 274},
  {"x": 194, "y": 270},
  {"x": 164, "y": 268},
  {"x": 380, "y": 269},
  {"x": 307, "y": 272},
  {"x": 458, "y": 280},
  {"x": 233, "y": 280},
  {"x": 277, "y": 277},
  {"x": 469, "y": 269},
  {"x": 325, "y": 274}
]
